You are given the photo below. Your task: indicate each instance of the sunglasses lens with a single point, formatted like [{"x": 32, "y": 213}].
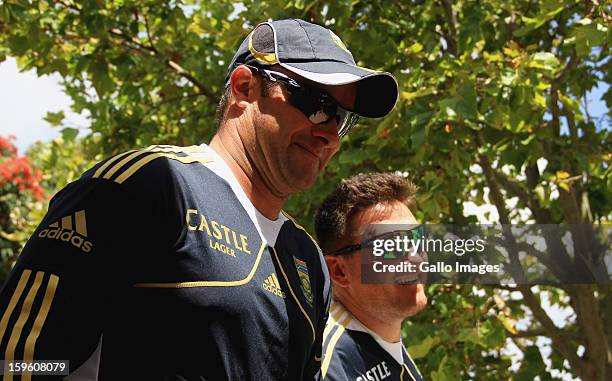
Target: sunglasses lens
[
  {"x": 321, "y": 108},
  {"x": 345, "y": 120},
  {"x": 418, "y": 233},
  {"x": 318, "y": 106},
  {"x": 309, "y": 104},
  {"x": 407, "y": 238}
]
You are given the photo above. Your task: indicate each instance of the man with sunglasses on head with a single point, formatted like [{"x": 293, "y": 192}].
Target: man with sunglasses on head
[
  {"x": 362, "y": 339},
  {"x": 178, "y": 262}
]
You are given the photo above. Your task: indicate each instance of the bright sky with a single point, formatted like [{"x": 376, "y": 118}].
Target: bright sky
[{"x": 25, "y": 99}]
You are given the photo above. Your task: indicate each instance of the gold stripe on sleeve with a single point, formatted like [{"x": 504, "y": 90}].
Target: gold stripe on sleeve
[
  {"x": 331, "y": 324},
  {"x": 123, "y": 162},
  {"x": 110, "y": 161},
  {"x": 39, "y": 322},
  {"x": 333, "y": 307},
  {"x": 23, "y": 317},
  {"x": 136, "y": 166},
  {"x": 145, "y": 160},
  {"x": 329, "y": 351},
  {"x": 157, "y": 151},
  {"x": 336, "y": 311},
  {"x": 23, "y": 280}
]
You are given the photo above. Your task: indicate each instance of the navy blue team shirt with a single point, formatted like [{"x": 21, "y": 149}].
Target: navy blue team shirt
[
  {"x": 154, "y": 265},
  {"x": 352, "y": 353}
]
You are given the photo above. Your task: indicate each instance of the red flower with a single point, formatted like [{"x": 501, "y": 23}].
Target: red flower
[
  {"x": 6, "y": 147},
  {"x": 16, "y": 170}
]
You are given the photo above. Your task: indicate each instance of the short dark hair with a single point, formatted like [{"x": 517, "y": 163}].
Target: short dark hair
[
  {"x": 222, "y": 106},
  {"x": 353, "y": 195},
  {"x": 266, "y": 90}
]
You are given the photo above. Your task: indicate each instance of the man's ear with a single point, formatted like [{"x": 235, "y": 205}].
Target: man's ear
[
  {"x": 337, "y": 271},
  {"x": 242, "y": 83}
]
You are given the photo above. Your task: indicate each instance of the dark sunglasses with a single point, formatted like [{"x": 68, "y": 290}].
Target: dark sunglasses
[
  {"x": 414, "y": 234},
  {"x": 318, "y": 106}
]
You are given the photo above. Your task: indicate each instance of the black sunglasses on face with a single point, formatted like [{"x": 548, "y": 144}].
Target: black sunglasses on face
[
  {"x": 318, "y": 106},
  {"x": 413, "y": 234}
]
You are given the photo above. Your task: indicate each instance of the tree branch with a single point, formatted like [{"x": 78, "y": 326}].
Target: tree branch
[
  {"x": 586, "y": 108},
  {"x": 451, "y": 37},
  {"x": 133, "y": 40},
  {"x": 597, "y": 349},
  {"x": 513, "y": 187},
  {"x": 515, "y": 267},
  {"x": 155, "y": 107},
  {"x": 541, "y": 215},
  {"x": 528, "y": 8},
  {"x": 558, "y": 271},
  {"x": 527, "y": 334},
  {"x": 148, "y": 30},
  {"x": 556, "y": 84},
  {"x": 554, "y": 109},
  {"x": 560, "y": 340},
  {"x": 571, "y": 124},
  {"x": 70, "y": 6},
  {"x": 404, "y": 12},
  {"x": 507, "y": 288},
  {"x": 171, "y": 64},
  {"x": 559, "y": 261}
]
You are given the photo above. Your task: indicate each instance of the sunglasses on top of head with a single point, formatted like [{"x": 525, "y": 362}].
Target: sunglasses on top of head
[{"x": 317, "y": 105}]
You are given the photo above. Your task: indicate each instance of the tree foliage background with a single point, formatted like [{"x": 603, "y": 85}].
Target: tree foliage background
[{"x": 492, "y": 109}]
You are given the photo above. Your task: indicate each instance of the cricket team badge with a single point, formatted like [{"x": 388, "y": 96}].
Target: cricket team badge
[{"x": 302, "y": 270}]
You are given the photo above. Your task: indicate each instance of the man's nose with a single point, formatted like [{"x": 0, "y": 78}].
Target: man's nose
[{"x": 327, "y": 133}]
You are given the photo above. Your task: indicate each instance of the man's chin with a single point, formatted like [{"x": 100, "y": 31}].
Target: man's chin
[
  {"x": 413, "y": 297},
  {"x": 302, "y": 179}
]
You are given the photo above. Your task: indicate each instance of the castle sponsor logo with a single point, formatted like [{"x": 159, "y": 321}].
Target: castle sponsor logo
[
  {"x": 221, "y": 237},
  {"x": 72, "y": 229},
  {"x": 271, "y": 284},
  {"x": 376, "y": 373}
]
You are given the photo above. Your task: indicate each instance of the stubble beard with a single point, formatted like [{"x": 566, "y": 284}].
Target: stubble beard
[{"x": 299, "y": 178}]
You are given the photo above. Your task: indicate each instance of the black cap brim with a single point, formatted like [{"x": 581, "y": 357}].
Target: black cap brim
[{"x": 377, "y": 91}]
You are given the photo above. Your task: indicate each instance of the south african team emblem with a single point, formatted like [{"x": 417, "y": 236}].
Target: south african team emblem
[{"x": 302, "y": 270}]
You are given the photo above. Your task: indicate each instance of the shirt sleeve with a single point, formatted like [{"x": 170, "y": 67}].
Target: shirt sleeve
[
  {"x": 334, "y": 370},
  {"x": 71, "y": 274}
]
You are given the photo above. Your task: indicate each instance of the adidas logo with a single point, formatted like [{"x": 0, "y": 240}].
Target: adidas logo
[
  {"x": 271, "y": 284},
  {"x": 64, "y": 230}
]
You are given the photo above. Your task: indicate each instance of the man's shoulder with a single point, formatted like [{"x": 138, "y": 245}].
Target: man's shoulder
[
  {"x": 342, "y": 357},
  {"x": 344, "y": 342},
  {"x": 351, "y": 353},
  {"x": 153, "y": 164},
  {"x": 150, "y": 173}
]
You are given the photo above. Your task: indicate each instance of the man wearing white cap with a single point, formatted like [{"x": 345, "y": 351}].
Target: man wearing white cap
[{"x": 178, "y": 262}]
